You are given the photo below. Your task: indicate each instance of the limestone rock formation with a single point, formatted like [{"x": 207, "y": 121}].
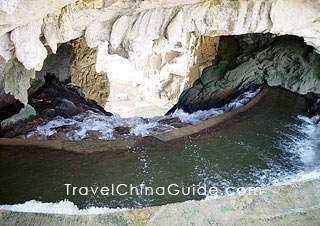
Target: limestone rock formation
[
  {"x": 25, "y": 113},
  {"x": 51, "y": 100},
  {"x": 14, "y": 13},
  {"x": 58, "y": 64},
  {"x": 136, "y": 31},
  {"x": 157, "y": 77},
  {"x": 28, "y": 48},
  {"x": 16, "y": 81},
  {"x": 65, "y": 100},
  {"x": 8, "y": 6},
  {"x": 5, "y": 47},
  {"x": 249, "y": 60},
  {"x": 83, "y": 73}
]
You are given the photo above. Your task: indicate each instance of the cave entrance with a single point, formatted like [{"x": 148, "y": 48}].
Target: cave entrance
[
  {"x": 143, "y": 84},
  {"x": 210, "y": 73},
  {"x": 198, "y": 74},
  {"x": 148, "y": 84},
  {"x": 244, "y": 62}
]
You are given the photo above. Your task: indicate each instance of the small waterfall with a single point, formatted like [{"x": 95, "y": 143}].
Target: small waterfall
[{"x": 79, "y": 127}]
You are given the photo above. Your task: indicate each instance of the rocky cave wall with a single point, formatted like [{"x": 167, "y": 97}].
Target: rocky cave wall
[
  {"x": 244, "y": 62},
  {"x": 95, "y": 85},
  {"x": 147, "y": 31},
  {"x": 152, "y": 83}
]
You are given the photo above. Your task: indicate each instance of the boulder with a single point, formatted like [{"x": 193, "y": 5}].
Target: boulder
[
  {"x": 51, "y": 100},
  {"x": 25, "y": 113}
]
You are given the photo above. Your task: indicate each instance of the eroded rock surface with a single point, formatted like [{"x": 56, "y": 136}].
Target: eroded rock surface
[
  {"x": 94, "y": 85},
  {"x": 58, "y": 64},
  {"x": 315, "y": 109},
  {"x": 15, "y": 80},
  {"x": 249, "y": 60},
  {"x": 132, "y": 28},
  {"x": 26, "y": 113},
  {"x": 52, "y": 100},
  {"x": 156, "y": 78}
]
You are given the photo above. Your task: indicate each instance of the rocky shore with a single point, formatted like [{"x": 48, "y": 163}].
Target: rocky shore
[
  {"x": 53, "y": 99},
  {"x": 70, "y": 116}
]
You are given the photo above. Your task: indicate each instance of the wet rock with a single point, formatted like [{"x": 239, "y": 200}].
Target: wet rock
[
  {"x": 35, "y": 135},
  {"x": 174, "y": 122},
  {"x": 10, "y": 110},
  {"x": 66, "y": 128},
  {"x": 93, "y": 135},
  {"x": 122, "y": 130},
  {"x": 49, "y": 113},
  {"x": 67, "y": 109},
  {"x": 21, "y": 127},
  {"x": 59, "y": 136},
  {"x": 315, "y": 109},
  {"x": 25, "y": 113},
  {"x": 247, "y": 61},
  {"x": 66, "y": 100},
  {"x": 53, "y": 99}
]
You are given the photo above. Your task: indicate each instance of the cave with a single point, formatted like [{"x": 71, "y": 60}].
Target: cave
[
  {"x": 145, "y": 85},
  {"x": 160, "y": 112},
  {"x": 249, "y": 60},
  {"x": 149, "y": 79}
]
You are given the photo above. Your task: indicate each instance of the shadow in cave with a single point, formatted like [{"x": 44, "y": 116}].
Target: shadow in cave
[{"x": 242, "y": 64}]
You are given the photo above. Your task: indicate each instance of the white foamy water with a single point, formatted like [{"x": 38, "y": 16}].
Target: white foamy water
[
  {"x": 309, "y": 147},
  {"x": 104, "y": 125},
  {"x": 61, "y": 207},
  {"x": 81, "y": 125},
  {"x": 306, "y": 148},
  {"x": 305, "y": 145},
  {"x": 200, "y": 116},
  {"x": 69, "y": 208}
]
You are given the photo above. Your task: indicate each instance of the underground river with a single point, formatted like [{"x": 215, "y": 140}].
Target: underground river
[{"x": 271, "y": 144}]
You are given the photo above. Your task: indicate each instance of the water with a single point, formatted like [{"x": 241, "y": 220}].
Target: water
[
  {"x": 271, "y": 144},
  {"x": 105, "y": 126}
]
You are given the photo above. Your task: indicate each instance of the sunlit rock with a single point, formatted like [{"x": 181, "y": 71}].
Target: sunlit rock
[
  {"x": 95, "y": 85},
  {"x": 5, "y": 47},
  {"x": 8, "y": 6},
  {"x": 156, "y": 40},
  {"x": 29, "y": 49}
]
